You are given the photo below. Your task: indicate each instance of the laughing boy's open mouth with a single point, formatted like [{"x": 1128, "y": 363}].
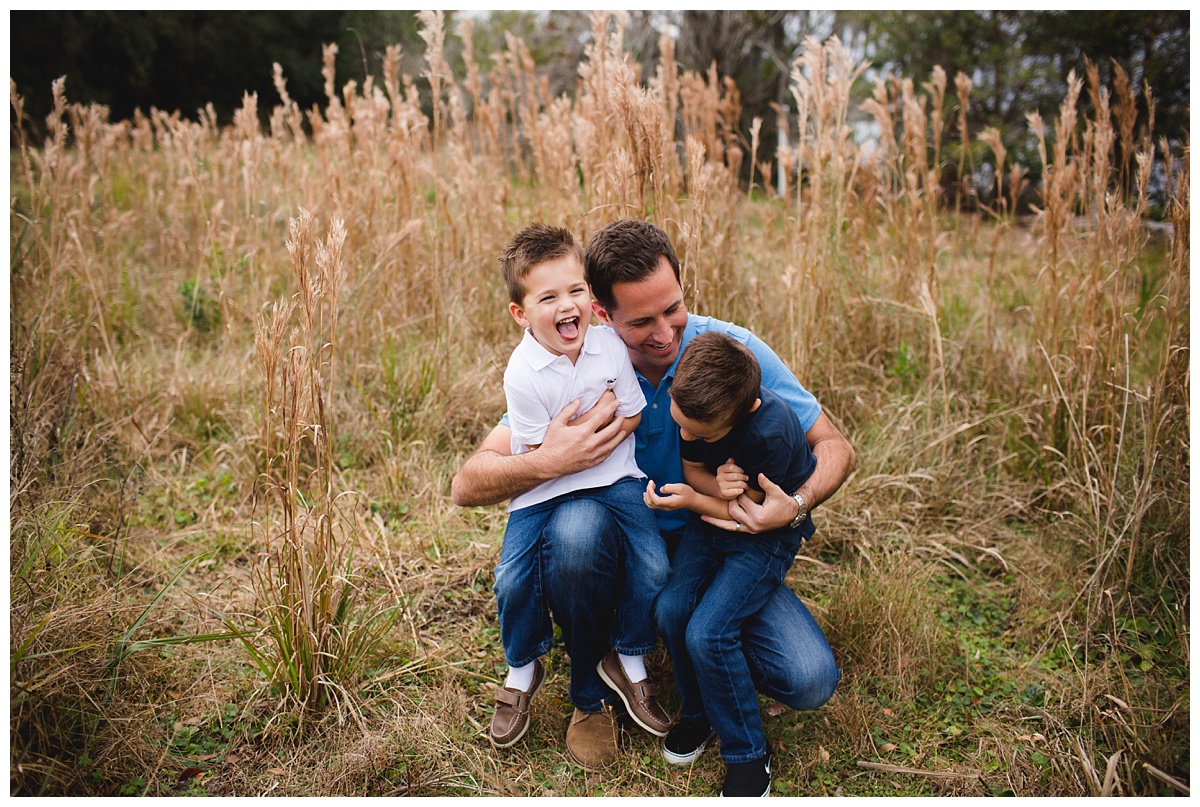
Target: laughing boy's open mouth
[{"x": 568, "y": 328}]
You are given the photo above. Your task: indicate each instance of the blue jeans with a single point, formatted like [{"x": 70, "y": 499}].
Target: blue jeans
[
  {"x": 536, "y": 555},
  {"x": 734, "y": 628}
]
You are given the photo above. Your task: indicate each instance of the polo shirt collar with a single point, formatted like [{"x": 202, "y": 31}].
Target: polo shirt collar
[{"x": 539, "y": 358}]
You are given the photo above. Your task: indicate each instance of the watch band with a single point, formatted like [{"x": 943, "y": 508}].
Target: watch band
[{"x": 801, "y": 513}]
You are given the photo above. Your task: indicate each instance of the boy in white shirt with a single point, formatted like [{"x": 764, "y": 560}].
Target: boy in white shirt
[{"x": 560, "y": 360}]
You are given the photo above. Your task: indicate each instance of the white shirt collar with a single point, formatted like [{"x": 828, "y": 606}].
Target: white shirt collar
[{"x": 536, "y": 355}]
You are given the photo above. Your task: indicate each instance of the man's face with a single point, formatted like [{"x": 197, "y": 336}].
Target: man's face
[{"x": 649, "y": 315}]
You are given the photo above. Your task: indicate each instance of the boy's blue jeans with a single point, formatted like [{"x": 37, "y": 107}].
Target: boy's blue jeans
[
  {"x": 733, "y": 627},
  {"x": 523, "y": 590}
]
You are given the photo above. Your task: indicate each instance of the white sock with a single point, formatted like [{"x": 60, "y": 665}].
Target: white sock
[
  {"x": 633, "y": 666},
  {"x": 520, "y": 678}
]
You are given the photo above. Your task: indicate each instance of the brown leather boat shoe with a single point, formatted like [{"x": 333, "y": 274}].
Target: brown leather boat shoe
[
  {"x": 510, "y": 721},
  {"x": 640, "y": 698}
]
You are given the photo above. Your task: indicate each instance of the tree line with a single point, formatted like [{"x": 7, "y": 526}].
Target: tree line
[{"x": 1017, "y": 61}]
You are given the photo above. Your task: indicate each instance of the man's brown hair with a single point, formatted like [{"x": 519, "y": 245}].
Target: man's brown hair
[
  {"x": 535, "y": 244},
  {"x": 625, "y": 251},
  {"x": 717, "y": 379}
]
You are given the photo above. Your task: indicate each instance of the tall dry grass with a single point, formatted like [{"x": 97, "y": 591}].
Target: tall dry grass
[{"x": 1016, "y": 388}]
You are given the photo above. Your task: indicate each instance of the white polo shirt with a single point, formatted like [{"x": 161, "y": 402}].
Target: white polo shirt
[{"x": 538, "y": 384}]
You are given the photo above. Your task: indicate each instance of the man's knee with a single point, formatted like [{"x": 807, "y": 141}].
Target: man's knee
[{"x": 807, "y": 684}]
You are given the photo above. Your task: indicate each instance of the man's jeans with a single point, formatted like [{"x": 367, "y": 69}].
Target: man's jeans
[
  {"x": 733, "y": 626},
  {"x": 563, "y": 553}
]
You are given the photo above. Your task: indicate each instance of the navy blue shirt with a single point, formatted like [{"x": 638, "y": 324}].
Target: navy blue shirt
[{"x": 769, "y": 440}]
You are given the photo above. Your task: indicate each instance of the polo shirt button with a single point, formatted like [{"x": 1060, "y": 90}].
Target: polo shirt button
[{"x": 654, "y": 406}]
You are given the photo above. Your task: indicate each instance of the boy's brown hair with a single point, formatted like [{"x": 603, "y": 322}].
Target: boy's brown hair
[
  {"x": 535, "y": 244},
  {"x": 717, "y": 379}
]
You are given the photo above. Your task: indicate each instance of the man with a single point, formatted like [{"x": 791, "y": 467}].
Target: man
[{"x": 634, "y": 274}]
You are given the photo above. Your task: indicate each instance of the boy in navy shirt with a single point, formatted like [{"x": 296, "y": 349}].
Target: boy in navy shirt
[{"x": 731, "y": 429}]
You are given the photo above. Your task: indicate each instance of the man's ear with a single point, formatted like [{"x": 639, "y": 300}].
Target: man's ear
[
  {"x": 518, "y": 314},
  {"x": 757, "y": 403},
  {"x": 599, "y": 311}
]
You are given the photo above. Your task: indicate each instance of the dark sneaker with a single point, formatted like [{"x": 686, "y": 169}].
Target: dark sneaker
[
  {"x": 640, "y": 698},
  {"x": 748, "y": 778},
  {"x": 686, "y": 742},
  {"x": 510, "y": 721}
]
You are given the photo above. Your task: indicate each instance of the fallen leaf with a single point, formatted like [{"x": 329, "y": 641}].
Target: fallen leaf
[
  {"x": 888, "y": 713},
  {"x": 233, "y": 759},
  {"x": 823, "y": 754},
  {"x": 887, "y": 747},
  {"x": 189, "y": 773},
  {"x": 775, "y": 708},
  {"x": 276, "y": 771}
]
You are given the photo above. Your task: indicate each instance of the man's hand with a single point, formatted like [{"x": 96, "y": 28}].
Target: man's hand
[
  {"x": 731, "y": 480},
  {"x": 574, "y": 444},
  {"x": 494, "y": 474},
  {"x": 777, "y": 510},
  {"x": 677, "y": 496},
  {"x": 835, "y": 462}
]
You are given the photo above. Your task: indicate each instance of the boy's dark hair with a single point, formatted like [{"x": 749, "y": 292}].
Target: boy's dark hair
[
  {"x": 535, "y": 244},
  {"x": 625, "y": 252},
  {"x": 717, "y": 379}
]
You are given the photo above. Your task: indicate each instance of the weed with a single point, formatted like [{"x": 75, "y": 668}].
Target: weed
[{"x": 199, "y": 309}]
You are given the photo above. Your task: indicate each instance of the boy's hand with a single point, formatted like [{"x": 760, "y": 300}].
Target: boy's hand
[
  {"x": 731, "y": 480},
  {"x": 677, "y": 496}
]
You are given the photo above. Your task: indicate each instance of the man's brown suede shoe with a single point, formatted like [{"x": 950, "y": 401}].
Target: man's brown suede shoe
[
  {"x": 510, "y": 721},
  {"x": 592, "y": 738},
  {"x": 640, "y": 699}
]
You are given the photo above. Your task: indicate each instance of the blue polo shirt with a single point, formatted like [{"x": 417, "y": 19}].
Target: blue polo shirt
[{"x": 657, "y": 435}]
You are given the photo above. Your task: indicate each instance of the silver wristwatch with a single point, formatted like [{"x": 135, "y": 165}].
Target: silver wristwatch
[{"x": 801, "y": 514}]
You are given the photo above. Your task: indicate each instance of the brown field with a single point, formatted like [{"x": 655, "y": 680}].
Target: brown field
[{"x": 246, "y": 362}]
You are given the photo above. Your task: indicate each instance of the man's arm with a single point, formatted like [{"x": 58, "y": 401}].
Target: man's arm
[
  {"x": 494, "y": 474},
  {"x": 835, "y": 462}
]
